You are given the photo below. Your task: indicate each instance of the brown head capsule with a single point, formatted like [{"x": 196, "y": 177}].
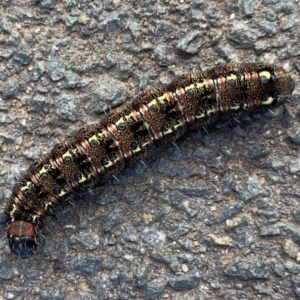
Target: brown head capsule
[
  {"x": 22, "y": 238},
  {"x": 277, "y": 85}
]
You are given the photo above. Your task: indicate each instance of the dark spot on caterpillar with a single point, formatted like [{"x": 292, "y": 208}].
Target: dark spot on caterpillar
[
  {"x": 28, "y": 192},
  {"x": 67, "y": 160},
  {"x": 274, "y": 78},
  {"x": 265, "y": 97},
  {"x": 57, "y": 190},
  {"x": 93, "y": 143},
  {"x": 231, "y": 82},
  {"x": 133, "y": 146},
  {"x": 198, "y": 113},
  {"x": 264, "y": 79},
  {"x": 77, "y": 177},
  {"x": 104, "y": 161},
  {"x": 233, "y": 103},
  {"x": 190, "y": 93},
  {"x": 121, "y": 126},
  {"x": 159, "y": 115},
  {"x": 165, "y": 127},
  {"x": 44, "y": 176},
  {"x": 153, "y": 108},
  {"x": 28, "y": 218}
]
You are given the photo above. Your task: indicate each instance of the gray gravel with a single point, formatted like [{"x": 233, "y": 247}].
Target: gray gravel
[{"x": 215, "y": 216}]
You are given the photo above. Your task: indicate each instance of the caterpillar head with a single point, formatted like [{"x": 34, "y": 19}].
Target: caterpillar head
[
  {"x": 286, "y": 83},
  {"x": 277, "y": 85},
  {"x": 22, "y": 238}
]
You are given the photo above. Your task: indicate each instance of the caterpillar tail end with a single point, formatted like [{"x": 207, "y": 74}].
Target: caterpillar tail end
[{"x": 22, "y": 238}]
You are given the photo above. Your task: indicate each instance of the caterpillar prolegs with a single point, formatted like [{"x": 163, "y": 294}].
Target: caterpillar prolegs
[{"x": 158, "y": 115}]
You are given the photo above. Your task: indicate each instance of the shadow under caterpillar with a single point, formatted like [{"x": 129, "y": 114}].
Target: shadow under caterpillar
[{"x": 158, "y": 115}]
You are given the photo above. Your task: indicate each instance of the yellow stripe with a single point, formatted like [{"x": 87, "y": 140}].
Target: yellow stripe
[
  {"x": 84, "y": 179},
  {"x": 169, "y": 131},
  {"x": 116, "y": 160},
  {"x": 34, "y": 217},
  {"x": 94, "y": 137},
  {"x": 161, "y": 99},
  {"x": 122, "y": 120},
  {"x": 62, "y": 193},
  {"x": 201, "y": 116},
  {"x": 268, "y": 101},
  {"x": 265, "y": 73},
  {"x": 27, "y": 186},
  {"x": 231, "y": 77},
  {"x": 48, "y": 203},
  {"x": 14, "y": 209},
  {"x": 153, "y": 102},
  {"x": 99, "y": 135},
  {"x": 197, "y": 85},
  {"x": 236, "y": 107},
  {"x": 67, "y": 154},
  {"x": 137, "y": 150},
  {"x": 43, "y": 170},
  {"x": 110, "y": 164}
]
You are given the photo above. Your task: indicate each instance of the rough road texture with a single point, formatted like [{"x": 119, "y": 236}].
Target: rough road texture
[{"x": 214, "y": 217}]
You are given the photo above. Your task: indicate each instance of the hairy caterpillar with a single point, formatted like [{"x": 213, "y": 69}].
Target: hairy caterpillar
[{"x": 130, "y": 132}]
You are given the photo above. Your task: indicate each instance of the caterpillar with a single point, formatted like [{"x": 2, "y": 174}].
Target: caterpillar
[{"x": 130, "y": 132}]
